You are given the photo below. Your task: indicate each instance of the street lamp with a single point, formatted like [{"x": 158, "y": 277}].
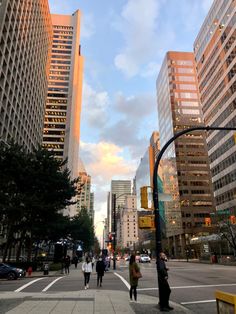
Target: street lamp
[{"x": 155, "y": 186}]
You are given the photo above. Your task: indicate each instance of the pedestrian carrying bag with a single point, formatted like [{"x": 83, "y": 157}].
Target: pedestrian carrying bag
[{"x": 137, "y": 274}]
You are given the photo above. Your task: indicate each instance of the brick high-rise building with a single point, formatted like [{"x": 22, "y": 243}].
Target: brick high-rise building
[
  {"x": 185, "y": 166},
  {"x": 215, "y": 53},
  {"x": 63, "y": 106},
  {"x": 25, "y": 44}
]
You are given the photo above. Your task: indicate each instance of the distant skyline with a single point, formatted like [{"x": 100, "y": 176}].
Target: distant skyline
[{"x": 124, "y": 43}]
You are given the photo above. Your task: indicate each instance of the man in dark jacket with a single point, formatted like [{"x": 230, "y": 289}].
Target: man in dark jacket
[
  {"x": 164, "y": 288},
  {"x": 100, "y": 268}
]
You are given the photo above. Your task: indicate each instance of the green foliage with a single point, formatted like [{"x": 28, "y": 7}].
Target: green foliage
[
  {"x": 34, "y": 187},
  {"x": 82, "y": 229}
]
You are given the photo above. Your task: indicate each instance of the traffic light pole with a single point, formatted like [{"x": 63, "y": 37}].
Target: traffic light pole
[{"x": 155, "y": 186}]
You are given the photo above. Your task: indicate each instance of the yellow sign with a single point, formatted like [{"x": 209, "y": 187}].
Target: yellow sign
[{"x": 146, "y": 222}]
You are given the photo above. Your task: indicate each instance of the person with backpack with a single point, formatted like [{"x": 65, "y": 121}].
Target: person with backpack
[
  {"x": 134, "y": 275},
  {"x": 87, "y": 269}
]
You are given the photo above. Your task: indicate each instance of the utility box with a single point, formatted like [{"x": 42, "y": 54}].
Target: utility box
[{"x": 225, "y": 302}]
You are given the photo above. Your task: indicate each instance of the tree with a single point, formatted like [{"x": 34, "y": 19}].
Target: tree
[
  {"x": 35, "y": 187},
  {"x": 82, "y": 229}
]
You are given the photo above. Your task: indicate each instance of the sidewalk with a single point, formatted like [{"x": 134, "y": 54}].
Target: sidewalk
[{"x": 81, "y": 302}]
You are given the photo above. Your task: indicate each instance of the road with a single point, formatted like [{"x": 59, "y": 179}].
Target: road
[{"x": 193, "y": 284}]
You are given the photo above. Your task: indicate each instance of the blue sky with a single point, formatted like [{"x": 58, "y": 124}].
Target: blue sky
[{"x": 124, "y": 43}]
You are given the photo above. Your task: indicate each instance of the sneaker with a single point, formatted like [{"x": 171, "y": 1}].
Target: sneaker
[
  {"x": 131, "y": 301},
  {"x": 164, "y": 309},
  {"x": 85, "y": 287},
  {"x": 170, "y": 308}
]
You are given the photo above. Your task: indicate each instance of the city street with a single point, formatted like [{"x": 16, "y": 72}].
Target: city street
[{"x": 193, "y": 284}]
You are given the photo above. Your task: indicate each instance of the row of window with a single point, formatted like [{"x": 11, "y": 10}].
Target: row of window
[
  {"x": 227, "y": 179},
  {"x": 224, "y": 164},
  {"x": 226, "y": 197}
]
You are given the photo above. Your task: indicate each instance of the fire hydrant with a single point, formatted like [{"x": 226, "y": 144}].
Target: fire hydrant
[{"x": 29, "y": 271}]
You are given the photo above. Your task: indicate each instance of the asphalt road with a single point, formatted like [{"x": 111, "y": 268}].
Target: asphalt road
[{"x": 193, "y": 284}]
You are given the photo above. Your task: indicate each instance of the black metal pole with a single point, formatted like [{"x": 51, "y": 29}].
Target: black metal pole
[
  {"x": 114, "y": 229},
  {"x": 155, "y": 184}
]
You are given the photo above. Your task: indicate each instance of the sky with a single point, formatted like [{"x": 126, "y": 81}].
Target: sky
[{"x": 124, "y": 43}]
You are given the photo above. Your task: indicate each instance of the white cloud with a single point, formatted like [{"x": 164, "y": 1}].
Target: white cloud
[
  {"x": 94, "y": 106},
  {"x": 87, "y": 26},
  {"x": 104, "y": 161},
  {"x": 138, "y": 26},
  {"x": 151, "y": 70}
]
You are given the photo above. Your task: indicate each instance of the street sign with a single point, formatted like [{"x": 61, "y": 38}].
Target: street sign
[{"x": 146, "y": 222}]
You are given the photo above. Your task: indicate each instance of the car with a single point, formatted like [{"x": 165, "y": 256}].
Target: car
[
  {"x": 10, "y": 272},
  {"x": 144, "y": 258}
]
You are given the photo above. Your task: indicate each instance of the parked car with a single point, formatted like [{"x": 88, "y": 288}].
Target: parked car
[
  {"x": 144, "y": 258},
  {"x": 11, "y": 272}
]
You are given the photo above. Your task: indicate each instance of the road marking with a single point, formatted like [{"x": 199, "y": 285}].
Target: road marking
[
  {"x": 123, "y": 279},
  {"x": 199, "y": 286},
  {"x": 52, "y": 283},
  {"x": 198, "y": 302},
  {"x": 28, "y": 284}
]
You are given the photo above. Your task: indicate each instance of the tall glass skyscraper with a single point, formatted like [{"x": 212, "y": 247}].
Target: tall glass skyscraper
[
  {"x": 25, "y": 44},
  {"x": 185, "y": 166},
  {"x": 215, "y": 53}
]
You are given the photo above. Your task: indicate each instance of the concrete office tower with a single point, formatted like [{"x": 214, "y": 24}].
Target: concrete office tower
[
  {"x": 215, "y": 53},
  {"x": 84, "y": 190},
  {"x": 63, "y": 107},
  {"x": 186, "y": 172},
  {"x": 25, "y": 43},
  {"x": 128, "y": 224},
  {"x": 121, "y": 188},
  {"x": 109, "y": 220},
  {"x": 91, "y": 207}
]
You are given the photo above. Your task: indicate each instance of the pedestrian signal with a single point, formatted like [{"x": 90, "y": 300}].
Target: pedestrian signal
[
  {"x": 144, "y": 197},
  {"x": 233, "y": 220},
  {"x": 208, "y": 222}
]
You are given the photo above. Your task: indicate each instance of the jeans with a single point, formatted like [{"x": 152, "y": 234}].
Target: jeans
[
  {"x": 131, "y": 292},
  {"x": 86, "y": 278}
]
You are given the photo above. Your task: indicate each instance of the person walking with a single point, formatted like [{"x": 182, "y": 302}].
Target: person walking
[
  {"x": 87, "y": 269},
  {"x": 134, "y": 275},
  {"x": 164, "y": 288},
  {"x": 75, "y": 260},
  {"x": 67, "y": 264},
  {"x": 100, "y": 268}
]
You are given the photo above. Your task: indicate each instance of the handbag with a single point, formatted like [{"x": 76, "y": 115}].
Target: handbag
[{"x": 137, "y": 274}]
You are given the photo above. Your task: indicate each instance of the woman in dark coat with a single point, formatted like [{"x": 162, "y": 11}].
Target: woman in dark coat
[
  {"x": 100, "y": 268},
  {"x": 133, "y": 268}
]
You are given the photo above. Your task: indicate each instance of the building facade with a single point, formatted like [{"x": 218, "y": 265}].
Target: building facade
[
  {"x": 215, "y": 53},
  {"x": 25, "y": 36},
  {"x": 121, "y": 188},
  {"x": 83, "y": 198},
  {"x": 185, "y": 165},
  {"x": 63, "y": 105},
  {"x": 128, "y": 224}
]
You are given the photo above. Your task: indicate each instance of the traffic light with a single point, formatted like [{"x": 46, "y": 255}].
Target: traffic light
[
  {"x": 208, "y": 222},
  {"x": 144, "y": 197},
  {"x": 232, "y": 219}
]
